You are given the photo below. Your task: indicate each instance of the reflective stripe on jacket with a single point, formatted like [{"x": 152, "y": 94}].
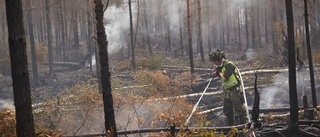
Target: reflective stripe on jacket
[{"x": 232, "y": 80}]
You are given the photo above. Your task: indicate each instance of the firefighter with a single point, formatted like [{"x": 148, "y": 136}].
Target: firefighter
[{"x": 233, "y": 96}]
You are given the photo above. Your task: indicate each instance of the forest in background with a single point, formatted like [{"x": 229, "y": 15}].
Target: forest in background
[{"x": 64, "y": 38}]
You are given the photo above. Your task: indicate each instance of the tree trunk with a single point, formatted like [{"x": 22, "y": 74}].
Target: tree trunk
[
  {"x": 32, "y": 45},
  {"x": 239, "y": 25},
  {"x": 3, "y": 29},
  {"x": 168, "y": 46},
  {"x": 133, "y": 62},
  {"x": 58, "y": 33},
  {"x": 293, "y": 124},
  {"x": 110, "y": 124},
  {"x": 247, "y": 27},
  {"x": 147, "y": 28},
  {"x": 266, "y": 24},
  {"x": 51, "y": 71},
  {"x": 190, "y": 37},
  {"x": 200, "y": 31},
  {"x": 98, "y": 66},
  {"x": 258, "y": 23},
  {"x": 180, "y": 31},
  {"x": 253, "y": 32},
  {"x": 222, "y": 24},
  {"x": 19, "y": 68},
  {"x": 274, "y": 37},
  {"x": 137, "y": 23},
  {"x": 66, "y": 32},
  {"x": 89, "y": 33},
  {"x": 75, "y": 30},
  {"x": 228, "y": 25},
  {"x": 313, "y": 89},
  {"x": 63, "y": 34},
  {"x": 209, "y": 42}
]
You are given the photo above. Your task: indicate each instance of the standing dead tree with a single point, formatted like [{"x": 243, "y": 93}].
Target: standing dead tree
[
  {"x": 19, "y": 68},
  {"x": 110, "y": 123},
  {"x": 190, "y": 37}
]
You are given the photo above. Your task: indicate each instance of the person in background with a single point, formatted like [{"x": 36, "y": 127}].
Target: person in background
[{"x": 233, "y": 95}]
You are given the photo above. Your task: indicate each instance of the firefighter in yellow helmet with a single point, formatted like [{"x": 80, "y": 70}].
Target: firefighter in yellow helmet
[{"x": 233, "y": 97}]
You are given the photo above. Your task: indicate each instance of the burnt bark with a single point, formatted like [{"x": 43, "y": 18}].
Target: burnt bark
[
  {"x": 110, "y": 124},
  {"x": 313, "y": 89},
  {"x": 32, "y": 45},
  {"x": 49, "y": 40},
  {"x": 274, "y": 37},
  {"x": 89, "y": 32},
  {"x": 75, "y": 30},
  {"x": 293, "y": 124},
  {"x": 147, "y": 28},
  {"x": 63, "y": 34},
  {"x": 200, "y": 31},
  {"x": 190, "y": 37},
  {"x": 253, "y": 31},
  {"x": 246, "y": 23},
  {"x": 19, "y": 68},
  {"x": 133, "y": 61},
  {"x": 239, "y": 26}
]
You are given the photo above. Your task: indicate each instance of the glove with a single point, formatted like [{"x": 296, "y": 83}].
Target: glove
[{"x": 218, "y": 70}]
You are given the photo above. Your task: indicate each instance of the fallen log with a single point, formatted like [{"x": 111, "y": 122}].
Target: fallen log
[
  {"x": 66, "y": 64},
  {"x": 189, "y": 95}
]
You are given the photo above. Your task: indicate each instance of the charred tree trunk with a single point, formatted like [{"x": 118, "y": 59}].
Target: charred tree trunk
[
  {"x": 32, "y": 45},
  {"x": 110, "y": 124},
  {"x": 274, "y": 37},
  {"x": 239, "y": 26},
  {"x": 313, "y": 89},
  {"x": 98, "y": 66},
  {"x": 75, "y": 30},
  {"x": 3, "y": 23},
  {"x": 190, "y": 37},
  {"x": 133, "y": 62},
  {"x": 137, "y": 23},
  {"x": 66, "y": 32},
  {"x": 89, "y": 32},
  {"x": 147, "y": 28},
  {"x": 49, "y": 35},
  {"x": 62, "y": 30},
  {"x": 293, "y": 125},
  {"x": 266, "y": 25},
  {"x": 209, "y": 42},
  {"x": 258, "y": 42},
  {"x": 200, "y": 31},
  {"x": 58, "y": 33},
  {"x": 253, "y": 31},
  {"x": 247, "y": 27},
  {"x": 222, "y": 24},
  {"x": 19, "y": 68},
  {"x": 180, "y": 29},
  {"x": 168, "y": 46}
]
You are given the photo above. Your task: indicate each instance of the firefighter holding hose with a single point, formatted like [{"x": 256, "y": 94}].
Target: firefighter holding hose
[{"x": 233, "y": 96}]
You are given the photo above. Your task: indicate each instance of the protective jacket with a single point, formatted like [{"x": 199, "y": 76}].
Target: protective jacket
[{"x": 231, "y": 74}]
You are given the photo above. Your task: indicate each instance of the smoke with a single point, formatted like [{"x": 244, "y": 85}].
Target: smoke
[
  {"x": 118, "y": 25},
  {"x": 277, "y": 94},
  {"x": 6, "y": 104},
  {"x": 250, "y": 54}
]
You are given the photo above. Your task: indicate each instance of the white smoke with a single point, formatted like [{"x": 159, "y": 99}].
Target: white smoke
[
  {"x": 277, "y": 94},
  {"x": 118, "y": 25},
  {"x": 250, "y": 54},
  {"x": 6, "y": 104}
]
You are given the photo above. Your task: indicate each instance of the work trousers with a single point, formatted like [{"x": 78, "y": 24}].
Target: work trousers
[{"x": 234, "y": 103}]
